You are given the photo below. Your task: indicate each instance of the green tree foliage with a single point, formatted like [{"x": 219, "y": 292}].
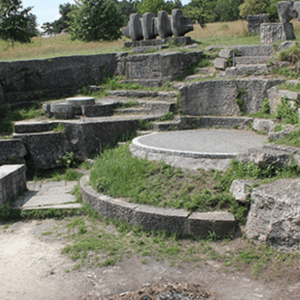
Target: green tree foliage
[
  {"x": 15, "y": 22},
  {"x": 200, "y": 11},
  {"x": 272, "y": 11},
  {"x": 253, "y": 7},
  {"x": 125, "y": 9},
  {"x": 33, "y": 25},
  {"x": 155, "y": 6},
  {"x": 62, "y": 23},
  {"x": 227, "y": 10},
  {"x": 94, "y": 20}
]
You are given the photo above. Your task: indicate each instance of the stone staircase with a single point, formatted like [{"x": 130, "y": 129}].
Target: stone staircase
[{"x": 248, "y": 60}]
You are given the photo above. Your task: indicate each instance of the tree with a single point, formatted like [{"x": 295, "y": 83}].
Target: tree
[
  {"x": 125, "y": 9},
  {"x": 200, "y": 11},
  {"x": 253, "y": 7},
  {"x": 33, "y": 25},
  {"x": 227, "y": 10},
  {"x": 62, "y": 23},
  {"x": 94, "y": 20},
  {"x": 155, "y": 6},
  {"x": 272, "y": 11},
  {"x": 15, "y": 22}
]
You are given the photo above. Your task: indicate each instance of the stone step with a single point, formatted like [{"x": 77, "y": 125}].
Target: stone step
[
  {"x": 255, "y": 50},
  {"x": 162, "y": 95},
  {"x": 166, "y": 125},
  {"x": 133, "y": 110},
  {"x": 246, "y": 70},
  {"x": 251, "y": 60},
  {"x": 35, "y": 126}
]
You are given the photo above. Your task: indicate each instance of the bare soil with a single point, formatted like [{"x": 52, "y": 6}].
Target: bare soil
[{"x": 32, "y": 267}]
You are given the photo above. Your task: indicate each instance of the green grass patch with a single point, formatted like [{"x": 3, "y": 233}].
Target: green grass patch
[
  {"x": 130, "y": 103},
  {"x": 292, "y": 139},
  {"x": 7, "y": 123},
  {"x": 118, "y": 174}
]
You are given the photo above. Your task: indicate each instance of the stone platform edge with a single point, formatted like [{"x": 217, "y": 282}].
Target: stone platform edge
[
  {"x": 135, "y": 143},
  {"x": 158, "y": 218}
]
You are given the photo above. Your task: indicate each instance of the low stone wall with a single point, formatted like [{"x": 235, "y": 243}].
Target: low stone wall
[
  {"x": 157, "y": 218},
  {"x": 165, "y": 66},
  {"x": 83, "y": 139},
  {"x": 12, "y": 182},
  {"x": 218, "y": 97},
  {"x": 24, "y": 81}
]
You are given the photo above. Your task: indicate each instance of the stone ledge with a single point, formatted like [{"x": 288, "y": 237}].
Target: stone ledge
[{"x": 158, "y": 218}]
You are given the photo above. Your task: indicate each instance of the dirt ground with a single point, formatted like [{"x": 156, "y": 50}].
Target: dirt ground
[{"x": 32, "y": 267}]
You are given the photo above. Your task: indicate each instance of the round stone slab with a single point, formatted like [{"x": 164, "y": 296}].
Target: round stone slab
[
  {"x": 204, "y": 141},
  {"x": 78, "y": 101},
  {"x": 193, "y": 149}
]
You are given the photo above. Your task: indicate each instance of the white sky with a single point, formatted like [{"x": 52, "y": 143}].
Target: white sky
[{"x": 47, "y": 11}]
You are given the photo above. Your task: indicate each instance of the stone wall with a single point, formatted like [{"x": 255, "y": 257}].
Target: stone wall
[
  {"x": 12, "y": 182},
  {"x": 42, "y": 149},
  {"x": 255, "y": 21},
  {"x": 218, "y": 97},
  {"x": 24, "y": 81},
  {"x": 166, "y": 66}
]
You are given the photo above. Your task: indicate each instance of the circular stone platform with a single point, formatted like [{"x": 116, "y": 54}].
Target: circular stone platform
[{"x": 193, "y": 149}]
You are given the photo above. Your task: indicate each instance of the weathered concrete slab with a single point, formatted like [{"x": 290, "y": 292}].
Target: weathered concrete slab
[{"x": 43, "y": 195}]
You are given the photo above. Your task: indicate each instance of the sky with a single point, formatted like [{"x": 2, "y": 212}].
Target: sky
[{"x": 47, "y": 11}]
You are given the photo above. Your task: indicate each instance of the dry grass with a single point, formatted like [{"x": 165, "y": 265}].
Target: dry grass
[
  {"x": 227, "y": 33},
  {"x": 55, "y": 46}
]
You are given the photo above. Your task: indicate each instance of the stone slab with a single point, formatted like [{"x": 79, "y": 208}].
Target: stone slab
[
  {"x": 11, "y": 149},
  {"x": 202, "y": 224},
  {"x": 62, "y": 206},
  {"x": 274, "y": 32},
  {"x": 251, "y": 60}
]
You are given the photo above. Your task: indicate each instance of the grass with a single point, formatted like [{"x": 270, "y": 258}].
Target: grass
[
  {"x": 92, "y": 241},
  {"x": 226, "y": 33},
  {"x": 7, "y": 123},
  {"x": 118, "y": 174}
]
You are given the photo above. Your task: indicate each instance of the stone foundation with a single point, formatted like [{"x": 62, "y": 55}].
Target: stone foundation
[
  {"x": 255, "y": 21},
  {"x": 12, "y": 182}
]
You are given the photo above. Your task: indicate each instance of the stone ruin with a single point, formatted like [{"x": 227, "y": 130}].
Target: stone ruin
[
  {"x": 77, "y": 106},
  {"x": 148, "y": 27},
  {"x": 255, "y": 21},
  {"x": 274, "y": 32}
]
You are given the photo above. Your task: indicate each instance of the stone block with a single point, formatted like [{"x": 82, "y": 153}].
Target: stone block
[
  {"x": 180, "y": 24},
  {"x": 263, "y": 125},
  {"x": 286, "y": 45},
  {"x": 240, "y": 189},
  {"x": 274, "y": 32},
  {"x": 157, "y": 218},
  {"x": 255, "y": 50},
  {"x": 289, "y": 95},
  {"x": 246, "y": 70},
  {"x": 251, "y": 60},
  {"x": 10, "y": 150},
  {"x": 47, "y": 110},
  {"x": 77, "y": 102},
  {"x": 274, "y": 215},
  {"x": 226, "y": 53},
  {"x": 148, "y": 26},
  {"x": 287, "y": 10},
  {"x": 220, "y": 63},
  {"x": 274, "y": 99},
  {"x": 97, "y": 110},
  {"x": 202, "y": 224},
  {"x": 266, "y": 156},
  {"x": 62, "y": 110},
  {"x": 254, "y": 22},
  {"x": 12, "y": 182}
]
